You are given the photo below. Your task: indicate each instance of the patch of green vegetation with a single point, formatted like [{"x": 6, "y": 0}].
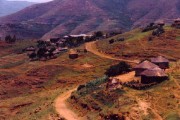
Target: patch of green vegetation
[
  {"x": 173, "y": 116},
  {"x": 178, "y": 38},
  {"x": 11, "y": 65},
  {"x": 130, "y": 36},
  {"x": 41, "y": 106},
  {"x": 19, "y": 45}
]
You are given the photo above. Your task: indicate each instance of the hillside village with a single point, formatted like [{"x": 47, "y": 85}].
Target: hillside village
[{"x": 103, "y": 75}]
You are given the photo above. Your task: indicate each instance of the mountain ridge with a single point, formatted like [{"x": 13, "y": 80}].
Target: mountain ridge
[
  {"x": 62, "y": 17},
  {"x": 9, "y": 7}
]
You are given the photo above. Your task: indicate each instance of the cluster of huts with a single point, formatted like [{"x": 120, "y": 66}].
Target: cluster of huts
[
  {"x": 150, "y": 73},
  {"x": 45, "y": 50},
  {"x": 156, "y": 27},
  {"x": 49, "y": 49}
]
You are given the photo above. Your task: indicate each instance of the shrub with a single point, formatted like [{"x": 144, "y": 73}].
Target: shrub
[
  {"x": 111, "y": 41},
  {"x": 96, "y": 82},
  {"x": 80, "y": 87},
  {"x": 98, "y": 34},
  {"x": 120, "y": 68}
]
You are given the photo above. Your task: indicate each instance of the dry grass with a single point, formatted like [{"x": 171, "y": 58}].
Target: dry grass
[{"x": 29, "y": 89}]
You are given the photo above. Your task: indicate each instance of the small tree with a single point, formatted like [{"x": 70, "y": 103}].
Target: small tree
[
  {"x": 118, "y": 69},
  {"x": 8, "y": 39},
  {"x": 32, "y": 56},
  {"x": 13, "y": 40},
  {"x": 99, "y": 34}
]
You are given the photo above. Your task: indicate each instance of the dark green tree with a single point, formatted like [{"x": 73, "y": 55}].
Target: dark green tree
[
  {"x": 98, "y": 34},
  {"x": 13, "y": 40},
  {"x": 8, "y": 39},
  {"x": 118, "y": 69}
]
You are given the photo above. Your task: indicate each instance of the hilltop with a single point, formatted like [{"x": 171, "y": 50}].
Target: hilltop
[{"x": 59, "y": 17}]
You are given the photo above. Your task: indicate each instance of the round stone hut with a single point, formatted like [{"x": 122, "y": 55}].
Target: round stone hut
[
  {"x": 162, "y": 62},
  {"x": 145, "y": 65},
  {"x": 155, "y": 75},
  {"x": 73, "y": 54}
]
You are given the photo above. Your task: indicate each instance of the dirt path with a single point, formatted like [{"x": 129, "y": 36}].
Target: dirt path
[
  {"x": 62, "y": 108},
  {"x": 176, "y": 82},
  {"x": 91, "y": 47},
  {"x": 144, "y": 106},
  {"x": 126, "y": 77}
]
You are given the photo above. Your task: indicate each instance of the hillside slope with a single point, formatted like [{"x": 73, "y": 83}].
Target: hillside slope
[
  {"x": 61, "y": 17},
  {"x": 31, "y": 89}
]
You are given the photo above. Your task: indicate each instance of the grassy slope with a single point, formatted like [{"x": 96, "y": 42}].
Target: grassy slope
[
  {"x": 41, "y": 99},
  {"x": 136, "y": 45},
  {"x": 163, "y": 98},
  {"x": 74, "y": 74}
]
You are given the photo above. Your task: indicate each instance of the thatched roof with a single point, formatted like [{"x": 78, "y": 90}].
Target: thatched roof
[
  {"x": 177, "y": 20},
  {"x": 113, "y": 81},
  {"x": 155, "y": 72},
  {"x": 160, "y": 22},
  {"x": 72, "y": 51},
  {"x": 159, "y": 59},
  {"x": 146, "y": 65}
]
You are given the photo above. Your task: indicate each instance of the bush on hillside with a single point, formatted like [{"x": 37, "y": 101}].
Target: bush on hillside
[
  {"x": 10, "y": 39},
  {"x": 120, "y": 68},
  {"x": 98, "y": 34},
  {"x": 96, "y": 82},
  {"x": 111, "y": 41}
]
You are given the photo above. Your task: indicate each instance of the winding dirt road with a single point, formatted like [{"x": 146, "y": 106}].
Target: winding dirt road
[
  {"x": 91, "y": 47},
  {"x": 62, "y": 108},
  {"x": 60, "y": 103}
]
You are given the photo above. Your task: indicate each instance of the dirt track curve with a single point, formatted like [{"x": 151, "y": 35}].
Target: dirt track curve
[
  {"x": 60, "y": 103},
  {"x": 62, "y": 108},
  {"x": 91, "y": 47}
]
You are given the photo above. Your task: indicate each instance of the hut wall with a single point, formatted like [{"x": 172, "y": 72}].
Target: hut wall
[
  {"x": 163, "y": 65},
  {"x": 148, "y": 80},
  {"x": 138, "y": 71},
  {"x": 73, "y": 56}
]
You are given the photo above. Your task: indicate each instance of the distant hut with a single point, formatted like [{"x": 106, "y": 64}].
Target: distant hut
[
  {"x": 31, "y": 49},
  {"x": 144, "y": 66},
  {"x": 155, "y": 75},
  {"x": 176, "y": 23},
  {"x": 113, "y": 83},
  {"x": 162, "y": 62},
  {"x": 73, "y": 54},
  {"x": 161, "y": 23}
]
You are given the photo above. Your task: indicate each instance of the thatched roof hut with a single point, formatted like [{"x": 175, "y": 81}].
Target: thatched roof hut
[
  {"x": 113, "y": 83},
  {"x": 145, "y": 65},
  {"x": 162, "y": 62},
  {"x": 177, "y": 20},
  {"x": 73, "y": 54},
  {"x": 176, "y": 23},
  {"x": 155, "y": 75},
  {"x": 160, "y": 23},
  {"x": 31, "y": 48}
]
